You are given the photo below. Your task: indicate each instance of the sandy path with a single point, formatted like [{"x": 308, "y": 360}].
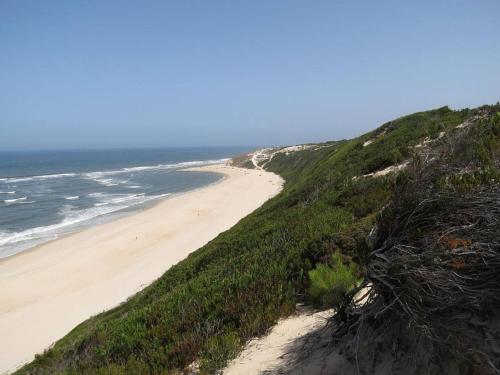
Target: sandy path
[
  {"x": 254, "y": 161},
  {"x": 303, "y": 336},
  {"x": 47, "y": 291},
  {"x": 268, "y": 354}
]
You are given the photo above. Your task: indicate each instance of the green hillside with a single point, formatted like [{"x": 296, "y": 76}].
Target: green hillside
[{"x": 238, "y": 285}]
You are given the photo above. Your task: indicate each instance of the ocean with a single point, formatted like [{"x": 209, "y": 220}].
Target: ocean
[{"x": 44, "y": 194}]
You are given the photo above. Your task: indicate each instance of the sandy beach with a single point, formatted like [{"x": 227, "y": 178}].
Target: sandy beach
[{"x": 48, "y": 290}]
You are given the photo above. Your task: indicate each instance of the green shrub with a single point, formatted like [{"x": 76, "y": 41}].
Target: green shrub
[{"x": 329, "y": 284}]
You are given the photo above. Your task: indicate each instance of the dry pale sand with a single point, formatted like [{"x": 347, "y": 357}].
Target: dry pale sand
[
  {"x": 271, "y": 353},
  {"x": 299, "y": 344},
  {"x": 47, "y": 291}
]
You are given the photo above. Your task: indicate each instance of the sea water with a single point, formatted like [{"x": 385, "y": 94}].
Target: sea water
[{"x": 44, "y": 194}]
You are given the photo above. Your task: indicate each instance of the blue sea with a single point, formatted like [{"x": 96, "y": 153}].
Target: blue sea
[{"x": 44, "y": 194}]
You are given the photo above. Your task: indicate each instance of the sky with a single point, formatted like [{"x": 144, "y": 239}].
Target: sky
[{"x": 105, "y": 73}]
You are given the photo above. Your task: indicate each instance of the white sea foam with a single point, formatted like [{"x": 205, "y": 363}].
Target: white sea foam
[
  {"x": 7, "y": 192},
  {"x": 72, "y": 216},
  {"x": 72, "y": 198},
  {"x": 97, "y": 195},
  {"x": 22, "y": 200},
  {"x": 56, "y": 175},
  {"x": 172, "y": 166},
  {"x": 15, "y": 200},
  {"x": 50, "y": 176},
  {"x": 39, "y": 177},
  {"x": 100, "y": 174},
  {"x": 93, "y": 175},
  {"x": 134, "y": 186},
  {"x": 126, "y": 198},
  {"x": 17, "y": 179},
  {"x": 98, "y": 177},
  {"x": 103, "y": 177},
  {"x": 114, "y": 199},
  {"x": 105, "y": 181}
]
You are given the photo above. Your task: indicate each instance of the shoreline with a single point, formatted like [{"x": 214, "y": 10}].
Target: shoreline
[
  {"x": 123, "y": 213},
  {"x": 49, "y": 289}
]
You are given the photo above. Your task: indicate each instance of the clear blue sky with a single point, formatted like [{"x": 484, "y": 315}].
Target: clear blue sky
[{"x": 85, "y": 74}]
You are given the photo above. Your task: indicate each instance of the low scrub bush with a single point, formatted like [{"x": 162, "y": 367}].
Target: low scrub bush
[{"x": 329, "y": 283}]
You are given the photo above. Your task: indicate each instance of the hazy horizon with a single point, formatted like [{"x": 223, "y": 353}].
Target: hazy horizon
[
  {"x": 138, "y": 148},
  {"x": 97, "y": 75}
]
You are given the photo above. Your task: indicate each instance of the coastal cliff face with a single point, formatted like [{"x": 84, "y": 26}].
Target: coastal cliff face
[{"x": 237, "y": 286}]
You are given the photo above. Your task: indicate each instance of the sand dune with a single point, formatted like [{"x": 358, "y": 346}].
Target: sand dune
[{"x": 48, "y": 290}]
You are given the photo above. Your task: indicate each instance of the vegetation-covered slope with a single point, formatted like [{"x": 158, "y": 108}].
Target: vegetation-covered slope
[
  {"x": 235, "y": 287},
  {"x": 433, "y": 275}
]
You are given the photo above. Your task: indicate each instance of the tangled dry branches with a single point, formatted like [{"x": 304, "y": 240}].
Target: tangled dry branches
[{"x": 436, "y": 263}]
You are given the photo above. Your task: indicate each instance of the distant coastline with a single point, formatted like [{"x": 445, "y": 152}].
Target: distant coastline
[{"x": 47, "y": 195}]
